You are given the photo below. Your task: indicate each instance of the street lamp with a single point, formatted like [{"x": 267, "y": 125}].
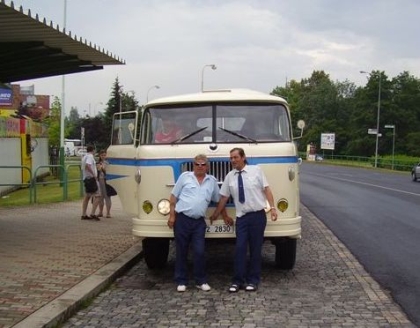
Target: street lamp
[
  {"x": 63, "y": 108},
  {"x": 94, "y": 108},
  {"x": 377, "y": 116},
  {"x": 213, "y": 67},
  {"x": 151, "y": 88},
  {"x": 392, "y": 126}
]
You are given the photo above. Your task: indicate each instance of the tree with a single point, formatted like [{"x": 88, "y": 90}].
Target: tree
[
  {"x": 53, "y": 123},
  {"x": 119, "y": 102},
  {"x": 72, "y": 123},
  {"x": 404, "y": 114},
  {"x": 114, "y": 105}
]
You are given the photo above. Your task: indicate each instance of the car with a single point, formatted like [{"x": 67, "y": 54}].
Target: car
[
  {"x": 81, "y": 151},
  {"x": 415, "y": 172}
]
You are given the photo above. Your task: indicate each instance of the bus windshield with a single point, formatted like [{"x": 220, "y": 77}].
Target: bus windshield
[{"x": 221, "y": 123}]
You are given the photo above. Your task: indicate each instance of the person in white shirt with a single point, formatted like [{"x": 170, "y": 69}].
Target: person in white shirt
[
  {"x": 249, "y": 188},
  {"x": 90, "y": 172}
]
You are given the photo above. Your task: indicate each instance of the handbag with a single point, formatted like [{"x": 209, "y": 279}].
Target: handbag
[
  {"x": 110, "y": 190},
  {"x": 91, "y": 186}
]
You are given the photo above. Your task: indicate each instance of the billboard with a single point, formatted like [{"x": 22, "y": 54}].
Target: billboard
[
  {"x": 6, "y": 98},
  {"x": 327, "y": 141}
]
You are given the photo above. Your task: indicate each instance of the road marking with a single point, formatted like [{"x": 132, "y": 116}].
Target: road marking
[{"x": 370, "y": 184}]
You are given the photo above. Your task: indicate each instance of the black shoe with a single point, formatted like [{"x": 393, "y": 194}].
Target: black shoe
[
  {"x": 95, "y": 218},
  {"x": 85, "y": 217}
]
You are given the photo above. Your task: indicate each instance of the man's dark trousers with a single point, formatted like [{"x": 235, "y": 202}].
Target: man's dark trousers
[{"x": 189, "y": 230}]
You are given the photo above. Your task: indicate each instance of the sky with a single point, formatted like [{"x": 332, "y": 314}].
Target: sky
[{"x": 255, "y": 44}]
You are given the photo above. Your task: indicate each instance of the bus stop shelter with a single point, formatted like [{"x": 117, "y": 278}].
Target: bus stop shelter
[{"x": 31, "y": 47}]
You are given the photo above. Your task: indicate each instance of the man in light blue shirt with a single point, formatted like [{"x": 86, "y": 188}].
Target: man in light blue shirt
[{"x": 189, "y": 201}]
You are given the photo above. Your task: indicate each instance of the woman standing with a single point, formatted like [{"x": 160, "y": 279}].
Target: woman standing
[{"x": 105, "y": 200}]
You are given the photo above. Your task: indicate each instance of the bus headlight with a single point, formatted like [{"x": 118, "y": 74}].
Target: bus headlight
[
  {"x": 282, "y": 205},
  {"x": 147, "y": 206},
  {"x": 163, "y": 206}
]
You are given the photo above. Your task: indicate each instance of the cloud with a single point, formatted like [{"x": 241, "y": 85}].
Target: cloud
[{"x": 255, "y": 44}]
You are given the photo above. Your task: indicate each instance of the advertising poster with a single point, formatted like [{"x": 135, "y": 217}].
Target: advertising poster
[
  {"x": 5, "y": 97},
  {"x": 328, "y": 141}
]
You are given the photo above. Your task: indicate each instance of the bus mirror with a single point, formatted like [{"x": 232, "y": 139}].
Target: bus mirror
[{"x": 301, "y": 126}]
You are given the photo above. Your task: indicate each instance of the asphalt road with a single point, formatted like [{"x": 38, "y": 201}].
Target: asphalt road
[{"x": 376, "y": 214}]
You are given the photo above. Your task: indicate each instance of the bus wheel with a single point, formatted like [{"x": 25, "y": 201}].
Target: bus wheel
[
  {"x": 155, "y": 251},
  {"x": 285, "y": 253}
]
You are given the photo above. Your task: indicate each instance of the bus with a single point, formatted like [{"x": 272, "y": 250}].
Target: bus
[
  {"x": 74, "y": 147},
  {"x": 144, "y": 171}
]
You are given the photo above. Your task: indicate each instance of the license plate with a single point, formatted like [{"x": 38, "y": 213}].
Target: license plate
[{"x": 223, "y": 228}]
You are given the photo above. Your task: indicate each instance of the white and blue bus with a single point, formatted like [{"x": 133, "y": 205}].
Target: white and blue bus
[
  {"x": 74, "y": 147},
  {"x": 144, "y": 171}
]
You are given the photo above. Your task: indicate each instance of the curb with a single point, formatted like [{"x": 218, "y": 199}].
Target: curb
[{"x": 64, "y": 306}]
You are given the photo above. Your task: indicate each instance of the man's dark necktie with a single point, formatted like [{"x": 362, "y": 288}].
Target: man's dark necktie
[{"x": 241, "y": 188}]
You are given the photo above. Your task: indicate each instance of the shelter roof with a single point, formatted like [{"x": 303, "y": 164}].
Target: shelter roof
[{"x": 31, "y": 48}]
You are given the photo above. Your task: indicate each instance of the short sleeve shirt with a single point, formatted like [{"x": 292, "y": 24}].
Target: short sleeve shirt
[
  {"x": 88, "y": 159},
  {"x": 168, "y": 137},
  {"x": 254, "y": 181},
  {"x": 194, "y": 198}
]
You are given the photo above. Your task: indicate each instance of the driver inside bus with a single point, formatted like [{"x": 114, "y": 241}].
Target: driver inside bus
[{"x": 169, "y": 132}]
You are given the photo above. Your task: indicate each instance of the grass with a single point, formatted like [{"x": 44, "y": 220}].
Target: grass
[{"x": 48, "y": 190}]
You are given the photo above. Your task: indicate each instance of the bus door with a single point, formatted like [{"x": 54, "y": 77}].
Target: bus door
[{"x": 123, "y": 160}]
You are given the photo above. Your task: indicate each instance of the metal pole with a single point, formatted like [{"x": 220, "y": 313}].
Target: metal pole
[
  {"x": 377, "y": 121},
  {"x": 63, "y": 110},
  {"x": 147, "y": 95},
  {"x": 213, "y": 67},
  {"x": 393, "y": 146}
]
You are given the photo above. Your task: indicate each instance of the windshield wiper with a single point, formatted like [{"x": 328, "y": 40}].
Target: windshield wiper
[
  {"x": 189, "y": 135},
  {"x": 238, "y": 134}
]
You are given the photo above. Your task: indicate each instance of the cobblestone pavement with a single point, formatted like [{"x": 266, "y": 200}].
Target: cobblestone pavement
[
  {"x": 327, "y": 288},
  {"x": 45, "y": 250}
]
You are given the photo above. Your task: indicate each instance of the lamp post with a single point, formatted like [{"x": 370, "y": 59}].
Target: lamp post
[
  {"x": 377, "y": 116},
  {"x": 151, "y": 88},
  {"x": 213, "y": 67},
  {"x": 63, "y": 109},
  {"x": 94, "y": 108},
  {"x": 392, "y": 126}
]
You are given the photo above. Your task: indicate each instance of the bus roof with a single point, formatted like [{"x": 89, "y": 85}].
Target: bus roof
[{"x": 218, "y": 95}]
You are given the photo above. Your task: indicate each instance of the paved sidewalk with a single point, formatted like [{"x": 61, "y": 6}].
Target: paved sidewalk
[{"x": 50, "y": 260}]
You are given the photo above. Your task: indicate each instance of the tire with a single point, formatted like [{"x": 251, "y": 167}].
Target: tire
[
  {"x": 285, "y": 253},
  {"x": 155, "y": 251},
  {"x": 413, "y": 176}
]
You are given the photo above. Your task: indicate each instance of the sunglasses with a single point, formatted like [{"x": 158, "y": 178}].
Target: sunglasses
[{"x": 200, "y": 164}]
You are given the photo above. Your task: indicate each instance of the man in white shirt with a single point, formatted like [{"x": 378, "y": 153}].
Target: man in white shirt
[
  {"x": 249, "y": 188},
  {"x": 90, "y": 172}
]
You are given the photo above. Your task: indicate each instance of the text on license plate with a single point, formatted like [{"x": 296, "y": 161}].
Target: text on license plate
[{"x": 223, "y": 228}]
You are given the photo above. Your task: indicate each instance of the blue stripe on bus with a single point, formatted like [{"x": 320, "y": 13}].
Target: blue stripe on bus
[
  {"x": 178, "y": 161},
  {"x": 110, "y": 176}
]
